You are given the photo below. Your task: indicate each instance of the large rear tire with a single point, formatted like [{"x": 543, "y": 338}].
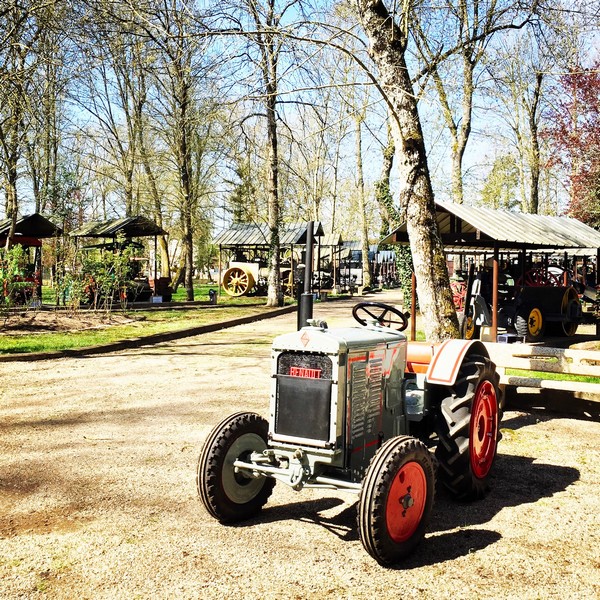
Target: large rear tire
[
  {"x": 230, "y": 496},
  {"x": 396, "y": 499},
  {"x": 570, "y": 309},
  {"x": 468, "y": 428}
]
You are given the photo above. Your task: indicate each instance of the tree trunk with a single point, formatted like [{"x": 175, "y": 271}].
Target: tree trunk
[
  {"x": 534, "y": 156},
  {"x": 387, "y": 49},
  {"x": 165, "y": 263},
  {"x": 11, "y": 206},
  {"x": 274, "y": 298}
]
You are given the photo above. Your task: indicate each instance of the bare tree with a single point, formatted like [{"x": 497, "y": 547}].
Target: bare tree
[
  {"x": 518, "y": 80},
  {"x": 177, "y": 82},
  {"x": 266, "y": 17},
  {"x": 452, "y": 41},
  {"x": 522, "y": 70},
  {"x": 106, "y": 76},
  {"x": 362, "y": 204},
  {"x": 44, "y": 143}
]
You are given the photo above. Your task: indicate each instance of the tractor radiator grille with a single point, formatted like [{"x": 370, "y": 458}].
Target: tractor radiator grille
[
  {"x": 366, "y": 399},
  {"x": 317, "y": 366},
  {"x": 303, "y": 403}
]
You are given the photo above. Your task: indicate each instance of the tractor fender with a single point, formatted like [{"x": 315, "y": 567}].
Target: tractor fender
[{"x": 448, "y": 359}]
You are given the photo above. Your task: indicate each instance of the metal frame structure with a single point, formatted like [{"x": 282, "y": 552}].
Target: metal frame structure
[
  {"x": 255, "y": 238},
  {"x": 466, "y": 229}
]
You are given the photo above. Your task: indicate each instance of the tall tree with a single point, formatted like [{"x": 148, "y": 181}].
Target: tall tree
[
  {"x": 388, "y": 39},
  {"x": 107, "y": 78},
  {"x": 267, "y": 17},
  {"x": 362, "y": 201},
  {"x": 21, "y": 25},
  {"x": 184, "y": 113},
  {"x": 45, "y": 139},
  {"x": 521, "y": 68}
]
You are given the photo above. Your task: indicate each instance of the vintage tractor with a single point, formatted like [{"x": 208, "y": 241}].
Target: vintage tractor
[
  {"x": 532, "y": 306},
  {"x": 358, "y": 409}
]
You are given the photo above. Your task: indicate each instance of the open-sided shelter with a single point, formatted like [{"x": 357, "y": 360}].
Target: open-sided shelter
[
  {"x": 128, "y": 228},
  {"x": 467, "y": 229},
  {"x": 246, "y": 246},
  {"x": 29, "y": 232}
]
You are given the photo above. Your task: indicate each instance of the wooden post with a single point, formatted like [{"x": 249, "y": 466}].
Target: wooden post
[
  {"x": 495, "y": 269},
  {"x": 220, "y": 275}
]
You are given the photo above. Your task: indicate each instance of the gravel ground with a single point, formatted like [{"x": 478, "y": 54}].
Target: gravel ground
[{"x": 98, "y": 500}]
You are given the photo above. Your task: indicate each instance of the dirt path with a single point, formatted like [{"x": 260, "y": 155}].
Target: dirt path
[{"x": 98, "y": 499}]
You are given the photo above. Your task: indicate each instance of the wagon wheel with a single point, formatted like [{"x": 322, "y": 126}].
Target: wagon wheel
[
  {"x": 468, "y": 328},
  {"x": 467, "y": 425},
  {"x": 237, "y": 281},
  {"x": 384, "y": 314},
  {"x": 538, "y": 278},
  {"x": 228, "y": 495},
  {"x": 396, "y": 499},
  {"x": 459, "y": 294}
]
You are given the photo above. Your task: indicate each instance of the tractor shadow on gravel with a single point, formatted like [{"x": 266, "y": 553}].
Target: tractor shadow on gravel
[{"x": 454, "y": 528}]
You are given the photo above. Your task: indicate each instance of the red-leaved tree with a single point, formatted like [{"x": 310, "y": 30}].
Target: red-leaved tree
[{"x": 574, "y": 135}]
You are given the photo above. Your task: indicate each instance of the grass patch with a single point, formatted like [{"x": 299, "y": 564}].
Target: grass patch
[
  {"x": 150, "y": 322},
  {"x": 201, "y": 294},
  {"x": 552, "y": 376}
]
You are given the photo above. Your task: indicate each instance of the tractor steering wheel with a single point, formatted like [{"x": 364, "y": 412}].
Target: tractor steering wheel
[{"x": 382, "y": 313}]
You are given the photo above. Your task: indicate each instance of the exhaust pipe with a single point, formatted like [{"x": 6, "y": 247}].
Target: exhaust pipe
[{"x": 305, "y": 305}]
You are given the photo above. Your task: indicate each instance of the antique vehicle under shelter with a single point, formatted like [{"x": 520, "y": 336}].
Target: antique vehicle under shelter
[
  {"x": 523, "y": 280},
  {"x": 244, "y": 247},
  {"x": 117, "y": 234}
]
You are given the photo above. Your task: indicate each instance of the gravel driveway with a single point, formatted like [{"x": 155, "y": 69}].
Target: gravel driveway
[{"x": 98, "y": 498}]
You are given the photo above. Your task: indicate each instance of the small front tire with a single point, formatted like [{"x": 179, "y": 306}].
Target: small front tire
[
  {"x": 231, "y": 496},
  {"x": 530, "y": 323},
  {"x": 396, "y": 499}
]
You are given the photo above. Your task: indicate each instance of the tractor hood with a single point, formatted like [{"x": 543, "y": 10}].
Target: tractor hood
[{"x": 337, "y": 341}]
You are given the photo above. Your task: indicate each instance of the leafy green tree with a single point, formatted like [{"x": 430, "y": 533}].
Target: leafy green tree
[
  {"x": 501, "y": 187},
  {"x": 13, "y": 284}
]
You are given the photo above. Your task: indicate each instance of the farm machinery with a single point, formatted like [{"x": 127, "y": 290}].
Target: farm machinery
[
  {"x": 361, "y": 410},
  {"x": 244, "y": 277},
  {"x": 536, "y": 304}
]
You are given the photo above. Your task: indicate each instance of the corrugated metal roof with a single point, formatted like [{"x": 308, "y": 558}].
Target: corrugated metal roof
[
  {"x": 331, "y": 239},
  {"x": 257, "y": 234},
  {"x": 465, "y": 227},
  {"x": 129, "y": 226},
  {"x": 34, "y": 225}
]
